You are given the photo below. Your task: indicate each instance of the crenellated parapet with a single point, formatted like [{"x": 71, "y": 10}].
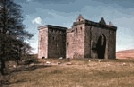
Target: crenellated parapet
[{"x": 91, "y": 23}]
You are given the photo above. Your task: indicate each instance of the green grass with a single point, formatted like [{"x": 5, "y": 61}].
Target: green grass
[{"x": 82, "y": 73}]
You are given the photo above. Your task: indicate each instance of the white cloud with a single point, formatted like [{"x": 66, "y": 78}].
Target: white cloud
[
  {"x": 37, "y": 20},
  {"x": 35, "y": 46}
]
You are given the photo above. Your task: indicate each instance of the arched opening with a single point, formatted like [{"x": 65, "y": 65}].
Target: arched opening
[
  {"x": 43, "y": 57},
  {"x": 101, "y": 46}
]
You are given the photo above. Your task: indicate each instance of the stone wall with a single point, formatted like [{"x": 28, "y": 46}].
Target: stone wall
[
  {"x": 70, "y": 43},
  {"x": 56, "y": 42},
  {"x": 87, "y": 42},
  {"x": 43, "y": 42},
  {"x": 112, "y": 45},
  {"x": 79, "y": 41}
]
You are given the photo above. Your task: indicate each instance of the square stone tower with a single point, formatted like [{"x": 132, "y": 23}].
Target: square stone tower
[
  {"x": 88, "y": 39},
  {"x": 51, "y": 42}
]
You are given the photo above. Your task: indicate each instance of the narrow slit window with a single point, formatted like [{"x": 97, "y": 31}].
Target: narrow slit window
[
  {"x": 76, "y": 30},
  {"x": 81, "y": 28}
]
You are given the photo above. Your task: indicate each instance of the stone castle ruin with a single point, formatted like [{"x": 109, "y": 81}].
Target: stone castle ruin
[{"x": 86, "y": 39}]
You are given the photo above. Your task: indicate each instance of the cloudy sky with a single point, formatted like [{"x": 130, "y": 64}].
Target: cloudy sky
[{"x": 64, "y": 13}]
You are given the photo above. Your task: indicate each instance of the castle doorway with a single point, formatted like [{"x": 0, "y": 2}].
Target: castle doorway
[{"x": 101, "y": 46}]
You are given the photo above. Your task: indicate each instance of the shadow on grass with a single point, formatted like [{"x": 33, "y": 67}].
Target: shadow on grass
[
  {"x": 18, "y": 81},
  {"x": 13, "y": 72},
  {"x": 7, "y": 83},
  {"x": 29, "y": 68}
]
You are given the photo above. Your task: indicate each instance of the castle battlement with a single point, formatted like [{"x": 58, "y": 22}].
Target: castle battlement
[{"x": 91, "y": 23}]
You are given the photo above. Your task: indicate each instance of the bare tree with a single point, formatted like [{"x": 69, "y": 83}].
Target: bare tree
[{"x": 12, "y": 32}]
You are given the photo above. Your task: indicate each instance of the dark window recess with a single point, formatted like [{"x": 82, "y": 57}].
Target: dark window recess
[
  {"x": 41, "y": 38},
  {"x": 53, "y": 38},
  {"x": 67, "y": 44},
  {"x": 81, "y": 28},
  {"x": 76, "y": 30}
]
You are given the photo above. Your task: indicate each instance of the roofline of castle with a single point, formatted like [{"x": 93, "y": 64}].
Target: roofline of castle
[
  {"x": 51, "y": 26},
  {"x": 91, "y": 23},
  {"x": 85, "y": 21},
  {"x": 70, "y": 30}
]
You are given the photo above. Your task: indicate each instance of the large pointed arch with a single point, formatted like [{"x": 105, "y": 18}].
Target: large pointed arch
[{"x": 101, "y": 46}]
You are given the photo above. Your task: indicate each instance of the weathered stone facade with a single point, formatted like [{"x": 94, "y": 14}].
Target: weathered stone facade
[
  {"x": 52, "y": 42},
  {"x": 86, "y": 39}
]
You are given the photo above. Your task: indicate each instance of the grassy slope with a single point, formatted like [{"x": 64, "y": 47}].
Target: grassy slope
[{"x": 81, "y": 73}]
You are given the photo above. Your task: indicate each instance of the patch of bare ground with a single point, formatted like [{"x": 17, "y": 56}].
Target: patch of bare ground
[
  {"x": 126, "y": 54},
  {"x": 77, "y": 73}
]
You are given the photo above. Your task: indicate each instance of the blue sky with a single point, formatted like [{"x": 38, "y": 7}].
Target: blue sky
[{"x": 64, "y": 13}]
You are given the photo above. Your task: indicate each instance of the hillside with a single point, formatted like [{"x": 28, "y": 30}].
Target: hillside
[
  {"x": 125, "y": 54},
  {"x": 75, "y": 73}
]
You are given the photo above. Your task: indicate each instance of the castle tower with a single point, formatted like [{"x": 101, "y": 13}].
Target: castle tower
[
  {"x": 52, "y": 42},
  {"x": 79, "y": 37}
]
